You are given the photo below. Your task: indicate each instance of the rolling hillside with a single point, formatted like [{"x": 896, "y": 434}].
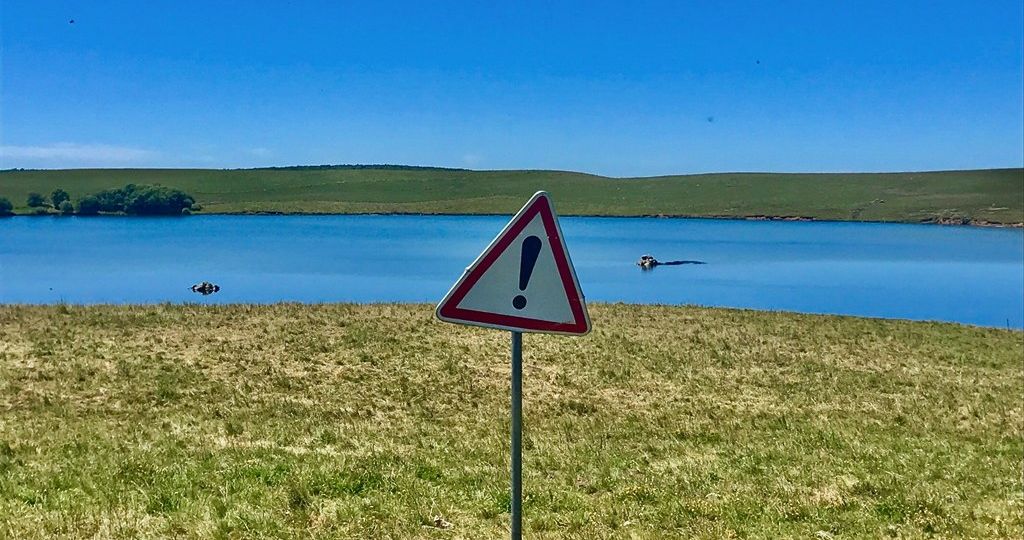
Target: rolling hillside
[{"x": 979, "y": 196}]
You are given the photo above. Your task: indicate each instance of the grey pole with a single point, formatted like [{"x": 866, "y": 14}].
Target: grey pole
[{"x": 517, "y": 435}]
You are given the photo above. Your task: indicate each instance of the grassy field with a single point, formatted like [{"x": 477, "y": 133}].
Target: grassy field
[
  {"x": 379, "y": 422},
  {"x": 982, "y": 196}
]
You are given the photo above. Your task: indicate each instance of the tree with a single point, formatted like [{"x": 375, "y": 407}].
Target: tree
[
  {"x": 156, "y": 200},
  {"x": 140, "y": 200},
  {"x": 6, "y": 208},
  {"x": 36, "y": 200},
  {"x": 112, "y": 200},
  {"x": 58, "y": 196},
  {"x": 88, "y": 206},
  {"x": 67, "y": 208}
]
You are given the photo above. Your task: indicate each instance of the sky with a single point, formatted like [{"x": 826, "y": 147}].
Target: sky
[{"x": 642, "y": 89}]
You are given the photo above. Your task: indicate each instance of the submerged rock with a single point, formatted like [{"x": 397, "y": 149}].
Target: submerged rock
[
  {"x": 648, "y": 262},
  {"x": 205, "y": 288}
]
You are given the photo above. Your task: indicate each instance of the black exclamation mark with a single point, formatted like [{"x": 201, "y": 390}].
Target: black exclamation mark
[{"x": 528, "y": 259}]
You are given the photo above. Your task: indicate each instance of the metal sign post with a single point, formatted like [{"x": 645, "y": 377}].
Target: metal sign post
[{"x": 517, "y": 435}]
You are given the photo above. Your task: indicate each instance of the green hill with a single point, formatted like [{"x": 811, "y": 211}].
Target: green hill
[{"x": 993, "y": 195}]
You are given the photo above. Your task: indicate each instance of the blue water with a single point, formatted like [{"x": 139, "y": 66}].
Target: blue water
[{"x": 969, "y": 275}]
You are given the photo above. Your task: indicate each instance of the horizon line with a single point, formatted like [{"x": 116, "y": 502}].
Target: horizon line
[{"x": 399, "y": 167}]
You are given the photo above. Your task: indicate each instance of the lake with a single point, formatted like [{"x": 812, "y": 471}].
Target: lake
[{"x": 961, "y": 274}]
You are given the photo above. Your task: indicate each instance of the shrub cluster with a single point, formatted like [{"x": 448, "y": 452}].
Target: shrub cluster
[
  {"x": 35, "y": 200},
  {"x": 139, "y": 200},
  {"x": 59, "y": 197}
]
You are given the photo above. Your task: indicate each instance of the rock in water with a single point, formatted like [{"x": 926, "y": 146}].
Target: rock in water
[{"x": 205, "y": 288}]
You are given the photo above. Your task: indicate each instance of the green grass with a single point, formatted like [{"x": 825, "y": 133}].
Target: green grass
[
  {"x": 348, "y": 421},
  {"x": 995, "y": 195}
]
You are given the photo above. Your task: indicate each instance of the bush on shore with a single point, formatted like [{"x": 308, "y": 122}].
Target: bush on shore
[
  {"x": 156, "y": 200},
  {"x": 6, "y": 208},
  {"x": 35, "y": 200},
  {"x": 139, "y": 200},
  {"x": 58, "y": 197},
  {"x": 88, "y": 206}
]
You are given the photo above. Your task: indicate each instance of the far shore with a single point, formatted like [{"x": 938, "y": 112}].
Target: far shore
[
  {"x": 984, "y": 197},
  {"x": 935, "y": 221}
]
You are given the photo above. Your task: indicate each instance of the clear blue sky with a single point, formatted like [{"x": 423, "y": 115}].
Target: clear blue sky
[{"x": 652, "y": 88}]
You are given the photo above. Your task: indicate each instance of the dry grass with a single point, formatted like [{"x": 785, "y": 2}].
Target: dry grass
[{"x": 377, "y": 421}]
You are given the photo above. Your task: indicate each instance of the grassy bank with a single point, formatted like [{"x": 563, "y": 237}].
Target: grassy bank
[
  {"x": 995, "y": 195},
  {"x": 379, "y": 422}
]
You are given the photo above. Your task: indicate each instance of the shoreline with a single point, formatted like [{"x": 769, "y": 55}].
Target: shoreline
[
  {"x": 756, "y": 217},
  {"x": 430, "y": 306},
  {"x": 981, "y": 197}
]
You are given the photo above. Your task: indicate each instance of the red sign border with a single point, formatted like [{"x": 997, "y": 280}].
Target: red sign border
[{"x": 448, "y": 310}]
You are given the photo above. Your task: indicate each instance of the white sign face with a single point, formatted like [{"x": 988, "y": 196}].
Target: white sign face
[
  {"x": 497, "y": 289},
  {"x": 524, "y": 281}
]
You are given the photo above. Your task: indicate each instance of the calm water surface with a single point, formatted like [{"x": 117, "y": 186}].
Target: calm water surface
[{"x": 968, "y": 275}]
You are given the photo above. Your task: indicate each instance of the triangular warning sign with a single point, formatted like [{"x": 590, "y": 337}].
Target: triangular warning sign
[{"x": 524, "y": 281}]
